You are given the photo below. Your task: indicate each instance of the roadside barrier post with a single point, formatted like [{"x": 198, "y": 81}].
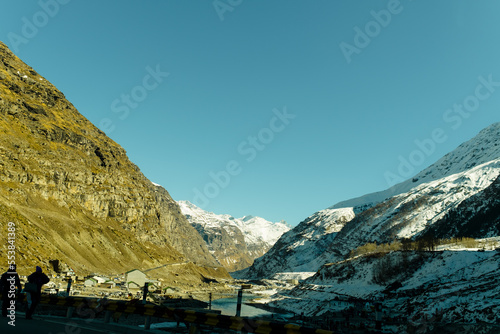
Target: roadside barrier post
[
  {"x": 145, "y": 293},
  {"x": 107, "y": 317},
  {"x": 69, "y": 286},
  {"x": 378, "y": 316},
  {"x": 238, "y": 306},
  {"x": 69, "y": 312},
  {"x": 147, "y": 323}
]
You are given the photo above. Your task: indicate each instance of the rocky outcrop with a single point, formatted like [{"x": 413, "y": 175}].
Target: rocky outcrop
[
  {"x": 227, "y": 244},
  {"x": 72, "y": 191}
]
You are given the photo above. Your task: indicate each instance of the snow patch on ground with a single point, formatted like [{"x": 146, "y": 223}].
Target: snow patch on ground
[{"x": 448, "y": 285}]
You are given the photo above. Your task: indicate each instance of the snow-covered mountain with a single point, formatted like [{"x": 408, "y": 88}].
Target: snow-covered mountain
[
  {"x": 298, "y": 250},
  {"x": 483, "y": 148},
  {"x": 235, "y": 242},
  {"x": 407, "y": 210},
  {"x": 476, "y": 217},
  {"x": 423, "y": 287}
]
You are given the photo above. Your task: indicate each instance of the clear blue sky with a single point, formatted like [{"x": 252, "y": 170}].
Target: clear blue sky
[{"x": 360, "y": 81}]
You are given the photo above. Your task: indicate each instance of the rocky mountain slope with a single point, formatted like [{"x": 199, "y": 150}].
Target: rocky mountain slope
[
  {"x": 73, "y": 193},
  {"x": 476, "y": 217},
  {"x": 302, "y": 246},
  {"x": 235, "y": 242},
  {"x": 408, "y": 210}
]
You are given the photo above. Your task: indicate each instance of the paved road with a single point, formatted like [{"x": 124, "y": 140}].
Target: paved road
[{"x": 56, "y": 325}]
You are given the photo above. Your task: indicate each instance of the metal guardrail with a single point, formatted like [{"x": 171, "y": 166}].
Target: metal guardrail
[{"x": 242, "y": 324}]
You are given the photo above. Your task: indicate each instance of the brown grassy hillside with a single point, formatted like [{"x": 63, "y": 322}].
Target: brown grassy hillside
[{"x": 73, "y": 193}]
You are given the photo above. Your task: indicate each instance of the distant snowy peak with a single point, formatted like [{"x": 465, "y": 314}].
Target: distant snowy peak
[
  {"x": 202, "y": 217},
  {"x": 253, "y": 227},
  {"x": 268, "y": 231},
  {"x": 301, "y": 248},
  {"x": 248, "y": 237},
  {"x": 483, "y": 148}
]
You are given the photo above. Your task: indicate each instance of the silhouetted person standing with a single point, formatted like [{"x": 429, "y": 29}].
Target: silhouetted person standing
[
  {"x": 38, "y": 278},
  {"x": 9, "y": 282}
]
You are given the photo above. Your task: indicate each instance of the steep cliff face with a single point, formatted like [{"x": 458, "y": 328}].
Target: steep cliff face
[
  {"x": 73, "y": 193},
  {"x": 227, "y": 244}
]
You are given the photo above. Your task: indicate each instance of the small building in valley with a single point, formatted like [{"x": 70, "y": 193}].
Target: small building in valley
[
  {"x": 108, "y": 284},
  {"x": 135, "y": 279},
  {"x": 90, "y": 282}
]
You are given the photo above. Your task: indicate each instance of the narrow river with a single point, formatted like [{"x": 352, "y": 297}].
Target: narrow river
[{"x": 228, "y": 307}]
